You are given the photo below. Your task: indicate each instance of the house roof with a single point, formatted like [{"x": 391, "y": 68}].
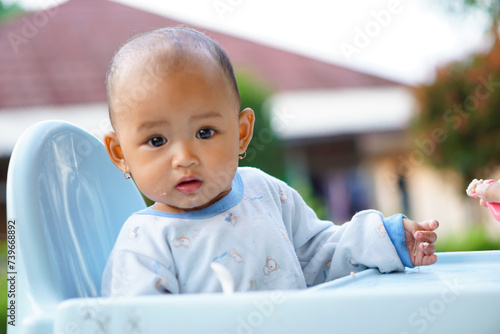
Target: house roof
[{"x": 60, "y": 55}]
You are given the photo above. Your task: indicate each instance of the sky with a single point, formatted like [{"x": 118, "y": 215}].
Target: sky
[{"x": 399, "y": 39}]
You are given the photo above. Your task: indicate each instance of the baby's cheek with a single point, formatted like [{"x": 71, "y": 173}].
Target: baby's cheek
[{"x": 151, "y": 188}]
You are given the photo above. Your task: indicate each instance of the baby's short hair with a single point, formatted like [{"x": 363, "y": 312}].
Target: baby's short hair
[{"x": 181, "y": 40}]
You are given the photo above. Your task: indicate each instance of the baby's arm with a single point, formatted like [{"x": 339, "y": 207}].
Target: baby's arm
[
  {"x": 131, "y": 274},
  {"x": 327, "y": 251},
  {"x": 361, "y": 243},
  {"x": 141, "y": 262}
]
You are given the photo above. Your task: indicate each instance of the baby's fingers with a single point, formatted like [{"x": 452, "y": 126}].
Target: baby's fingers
[
  {"x": 424, "y": 255},
  {"x": 428, "y": 260},
  {"x": 426, "y": 236},
  {"x": 429, "y": 225},
  {"x": 427, "y": 248}
]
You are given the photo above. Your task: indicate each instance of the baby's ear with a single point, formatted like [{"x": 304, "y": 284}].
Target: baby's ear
[
  {"x": 115, "y": 151},
  {"x": 246, "y": 122}
]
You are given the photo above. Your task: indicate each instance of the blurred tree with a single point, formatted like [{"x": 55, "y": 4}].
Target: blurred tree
[
  {"x": 489, "y": 7},
  {"x": 9, "y": 11},
  {"x": 265, "y": 150},
  {"x": 459, "y": 120}
]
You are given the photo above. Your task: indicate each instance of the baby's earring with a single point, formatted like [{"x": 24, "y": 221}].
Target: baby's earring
[
  {"x": 243, "y": 156},
  {"x": 128, "y": 176}
]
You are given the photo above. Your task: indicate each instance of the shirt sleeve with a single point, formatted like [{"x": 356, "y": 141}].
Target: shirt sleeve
[
  {"x": 327, "y": 251},
  {"x": 140, "y": 264},
  {"x": 396, "y": 232}
]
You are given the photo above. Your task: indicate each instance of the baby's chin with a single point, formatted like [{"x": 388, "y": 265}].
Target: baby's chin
[
  {"x": 187, "y": 203},
  {"x": 186, "y": 206}
]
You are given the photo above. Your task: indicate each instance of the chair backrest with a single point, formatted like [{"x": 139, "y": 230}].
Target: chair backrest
[{"x": 68, "y": 202}]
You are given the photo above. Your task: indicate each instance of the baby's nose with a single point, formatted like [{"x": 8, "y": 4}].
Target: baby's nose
[{"x": 184, "y": 156}]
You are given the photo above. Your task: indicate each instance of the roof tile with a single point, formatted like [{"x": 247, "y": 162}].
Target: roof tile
[{"x": 60, "y": 55}]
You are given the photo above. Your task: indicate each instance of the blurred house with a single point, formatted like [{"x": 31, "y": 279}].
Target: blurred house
[{"x": 345, "y": 130}]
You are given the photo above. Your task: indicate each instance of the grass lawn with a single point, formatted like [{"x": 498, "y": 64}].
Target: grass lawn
[{"x": 475, "y": 239}]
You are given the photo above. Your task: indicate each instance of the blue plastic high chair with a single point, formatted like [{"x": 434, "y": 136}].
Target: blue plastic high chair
[{"x": 66, "y": 203}]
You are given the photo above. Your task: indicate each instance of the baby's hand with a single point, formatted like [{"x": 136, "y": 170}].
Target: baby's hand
[
  {"x": 487, "y": 191},
  {"x": 471, "y": 189},
  {"x": 420, "y": 239}
]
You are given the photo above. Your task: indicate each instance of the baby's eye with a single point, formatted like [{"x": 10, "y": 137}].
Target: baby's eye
[
  {"x": 157, "y": 141},
  {"x": 205, "y": 133}
]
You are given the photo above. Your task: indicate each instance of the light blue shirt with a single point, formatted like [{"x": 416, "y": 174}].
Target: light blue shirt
[{"x": 262, "y": 232}]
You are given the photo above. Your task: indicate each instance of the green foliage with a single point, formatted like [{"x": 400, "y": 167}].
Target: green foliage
[
  {"x": 312, "y": 200},
  {"x": 489, "y": 7},
  {"x": 459, "y": 118},
  {"x": 265, "y": 150},
  {"x": 8, "y": 12},
  {"x": 474, "y": 239}
]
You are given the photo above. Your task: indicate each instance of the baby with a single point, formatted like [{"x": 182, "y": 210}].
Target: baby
[{"x": 179, "y": 132}]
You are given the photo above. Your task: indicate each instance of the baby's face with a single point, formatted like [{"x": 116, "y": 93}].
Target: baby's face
[{"x": 181, "y": 142}]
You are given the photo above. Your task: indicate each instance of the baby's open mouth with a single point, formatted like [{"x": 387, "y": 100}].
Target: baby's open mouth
[{"x": 188, "y": 185}]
